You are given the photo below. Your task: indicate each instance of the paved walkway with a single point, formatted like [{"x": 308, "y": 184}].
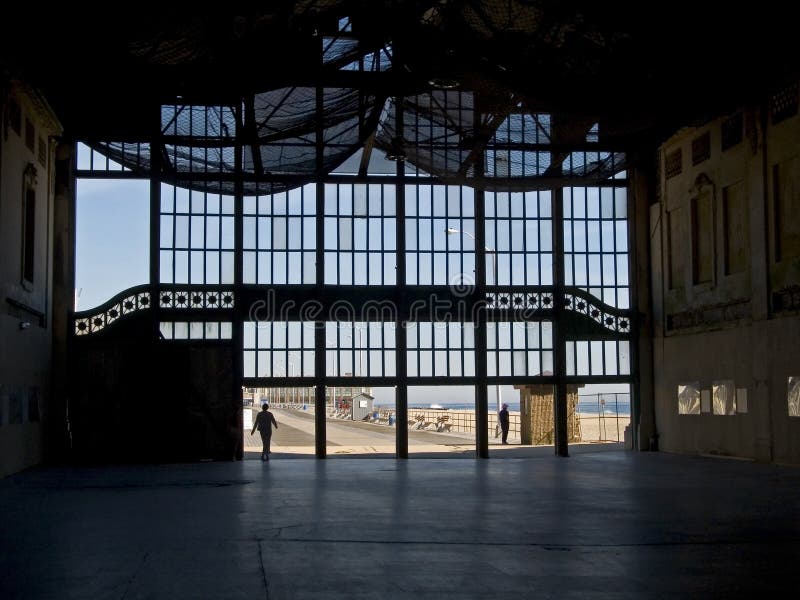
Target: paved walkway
[{"x": 295, "y": 436}]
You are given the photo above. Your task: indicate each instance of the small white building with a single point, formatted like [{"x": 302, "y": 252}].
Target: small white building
[{"x": 362, "y": 406}]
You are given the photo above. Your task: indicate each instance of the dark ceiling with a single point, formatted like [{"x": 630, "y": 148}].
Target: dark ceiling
[{"x": 640, "y": 69}]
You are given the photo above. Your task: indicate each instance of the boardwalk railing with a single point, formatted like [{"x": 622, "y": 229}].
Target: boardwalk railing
[{"x": 603, "y": 417}]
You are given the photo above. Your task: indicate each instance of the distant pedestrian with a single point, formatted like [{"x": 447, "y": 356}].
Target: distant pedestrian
[
  {"x": 503, "y": 416},
  {"x": 264, "y": 423}
]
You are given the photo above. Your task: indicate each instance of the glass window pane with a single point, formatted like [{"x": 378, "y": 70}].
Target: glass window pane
[
  {"x": 345, "y": 234},
  {"x": 212, "y": 267},
  {"x": 279, "y": 233},
  {"x": 597, "y": 358},
  {"x": 570, "y": 350},
  {"x": 624, "y": 358},
  {"x": 520, "y": 362}
]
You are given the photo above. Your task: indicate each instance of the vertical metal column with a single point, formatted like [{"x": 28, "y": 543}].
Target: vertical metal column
[
  {"x": 320, "y": 389},
  {"x": 401, "y": 338},
  {"x": 156, "y": 147},
  {"x": 320, "y": 434},
  {"x": 559, "y": 342},
  {"x": 481, "y": 387},
  {"x": 237, "y": 333},
  {"x": 55, "y": 418},
  {"x": 633, "y": 276},
  {"x": 641, "y": 323}
]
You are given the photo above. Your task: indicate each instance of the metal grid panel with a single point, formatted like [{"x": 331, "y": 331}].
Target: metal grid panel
[
  {"x": 279, "y": 239},
  {"x": 360, "y": 349},
  {"x": 519, "y": 349},
  {"x": 197, "y": 237},
  {"x": 196, "y": 330},
  {"x": 135, "y": 155},
  {"x": 596, "y": 243},
  {"x": 360, "y": 234},
  {"x": 278, "y": 349},
  {"x": 598, "y": 357},
  {"x": 199, "y": 139},
  {"x": 507, "y": 157},
  {"x": 519, "y": 238},
  {"x": 440, "y": 235},
  {"x": 440, "y": 349},
  {"x": 345, "y": 231}
]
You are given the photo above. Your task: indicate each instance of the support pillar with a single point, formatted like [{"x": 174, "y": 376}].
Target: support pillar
[
  {"x": 401, "y": 391},
  {"x": 559, "y": 339},
  {"x": 57, "y": 443},
  {"x": 560, "y": 414},
  {"x": 643, "y": 426},
  {"x": 320, "y": 440}
]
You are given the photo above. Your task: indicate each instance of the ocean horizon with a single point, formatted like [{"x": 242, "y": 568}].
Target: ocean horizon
[{"x": 586, "y": 405}]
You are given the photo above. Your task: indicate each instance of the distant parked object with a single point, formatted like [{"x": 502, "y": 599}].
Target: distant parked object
[{"x": 362, "y": 406}]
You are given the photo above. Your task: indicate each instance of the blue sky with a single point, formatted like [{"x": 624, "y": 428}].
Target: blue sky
[{"x": 112, "y": 252}]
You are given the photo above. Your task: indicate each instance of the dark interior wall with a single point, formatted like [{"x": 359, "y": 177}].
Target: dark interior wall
[
  {"x": 136, "y": 399},
  {"x": 26, "y": 310}
]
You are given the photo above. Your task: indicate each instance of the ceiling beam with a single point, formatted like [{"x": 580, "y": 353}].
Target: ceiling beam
[{"x": 249, "y": 133}]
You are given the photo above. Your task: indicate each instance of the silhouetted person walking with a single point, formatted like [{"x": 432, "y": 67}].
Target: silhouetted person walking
[
  {"x": 264, "y": 422},
  {"x": 503, "y": 416}
]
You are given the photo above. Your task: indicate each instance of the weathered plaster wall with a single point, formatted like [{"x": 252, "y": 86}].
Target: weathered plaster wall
[
  {"x": 720, "y": 315},
  {"x": 25, "y": 307}
]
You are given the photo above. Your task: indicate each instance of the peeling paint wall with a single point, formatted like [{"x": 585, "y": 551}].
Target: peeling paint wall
[{"x": 725, "y": 264}]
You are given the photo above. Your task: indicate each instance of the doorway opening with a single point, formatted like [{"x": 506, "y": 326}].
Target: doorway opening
[
  {"x": 441, "y": 421},
  {"x": 293, "y": 409}
]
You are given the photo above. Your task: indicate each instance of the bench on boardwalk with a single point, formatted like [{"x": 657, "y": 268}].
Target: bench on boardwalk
[{"x": 442, "y": 423}]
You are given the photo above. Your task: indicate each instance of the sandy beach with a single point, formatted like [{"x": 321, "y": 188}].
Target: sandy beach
[{"x": 606, "y": 428}]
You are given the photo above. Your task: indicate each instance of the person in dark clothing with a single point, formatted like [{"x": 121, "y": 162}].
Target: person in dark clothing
[
  {"x": 503, "y": 416},
  {"x": 264, "y": 423}
]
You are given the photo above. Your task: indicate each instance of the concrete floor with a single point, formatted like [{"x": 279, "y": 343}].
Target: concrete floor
[{"x": 596, "y": 525}]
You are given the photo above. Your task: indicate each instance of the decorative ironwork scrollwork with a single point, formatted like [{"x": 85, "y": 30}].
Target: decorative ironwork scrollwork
[
  {"x": 195, "y": 299},
  {"x": 578, "y": 301},
  {"x": 108, "y": 314},
  {"x": 524, "y": 301},
  {"x": 602, "y": 314},
  {"x": 137, "y": 299}
]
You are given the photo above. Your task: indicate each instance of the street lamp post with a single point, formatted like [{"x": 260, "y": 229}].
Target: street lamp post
[
  {"x": 493, "y": 252},
  {"x": 358, "y": 370},
  {"x": 290, "y": 373},
  {"x": 335, "y": 351},
  {"x": 354, "y": 345},
  {"x": 282, "y": 393},
  {"x": 278, "y": 390}
]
